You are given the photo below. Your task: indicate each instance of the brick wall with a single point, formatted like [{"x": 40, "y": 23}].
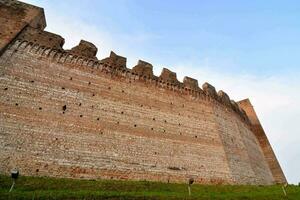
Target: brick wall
[
  {"x": 67, "y": 115},
  {"x": 15, "y": 16},
  {"x": 264, "y": 142},
  {"x": 66, "y": 120}
]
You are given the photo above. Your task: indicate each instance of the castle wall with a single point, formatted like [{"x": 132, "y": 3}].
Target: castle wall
[
  {"x": 244, "y": 155},
  {"x": 112, "y": 127},
  {"x": 263, "y": 141},
  {"x": 64, "y": 113},
  {"x": 14, "y": 17}
]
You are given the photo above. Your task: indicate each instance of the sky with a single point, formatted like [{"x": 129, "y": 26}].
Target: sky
[{"x": 249, "y": 49}]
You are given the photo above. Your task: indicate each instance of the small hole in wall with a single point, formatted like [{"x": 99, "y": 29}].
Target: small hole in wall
[
  {"x": 98, "y": 118},
  {"x": 40, "y": 108},
  {"x": 179, "y": 124},
  {"x": 80, "y": 115},
  {"x": 71, "y": 78},
  {"x": 93, "y": 95},
  {"x": 62, "y": 88},
  {"x": 141, "y": 105},
  {"x": 153, "y": 119},
  {"x": 50, "y": 39},
  {"x": 89, "y": 83},
  {"x": 180, "y": 133},
  {"x": 196, "y": 136},
  {"x": 152, "y": 129},
  {"x": 79, "y": 104},
  {"x": 109, "y": 88},
  {"x": 64, "y": 107},
  {"x": 117, "y": 122},
  {"x": 17, "y": 104},
  {"x": 135, "y": 125},
  {"x": 122, "y": 112},
  {"x": 63, "y": 112},
  {"x": 11, "y": 32},
  {"x": 92, "y": 106},
  {"x": 32, "y": 81},
  {"x": 34, "y": 40},
  {"x": 6, "y": 88},
  {"x": 165, "y": 121},
  {"x": 122, "y": 91},
  {"x": 37, "y": 170},
  {"x": 164, "y": 130},
  {"x": 155, "y": 153}
]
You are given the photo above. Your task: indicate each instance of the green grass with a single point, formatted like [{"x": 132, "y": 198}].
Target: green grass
[{"x": 51, "y": 188}]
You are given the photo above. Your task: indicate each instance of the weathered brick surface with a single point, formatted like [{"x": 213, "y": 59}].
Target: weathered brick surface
[
  {"x": 14, "y": 16},
  {"x": 264, "y": 142},
  {"x": 66, "y": 115}
]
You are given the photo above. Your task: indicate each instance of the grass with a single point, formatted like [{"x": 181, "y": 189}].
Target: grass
[{"x": 52, "y": 188}]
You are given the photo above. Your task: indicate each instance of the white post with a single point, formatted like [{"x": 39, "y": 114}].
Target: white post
[
  {"x": 12, "y": 186},
  {"x": 189, "y": 188},
  {"x": 284, "y": 192}
]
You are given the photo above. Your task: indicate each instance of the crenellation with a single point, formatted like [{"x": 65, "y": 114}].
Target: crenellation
[
  {"x": 224, "y": 98},
  {"x": 187, "y": 88},
  {"x": 168, "y": 76},
  {"x": 143, "y": 69},
  {"x": 190, "y": 83},
  {"x": 169, "y": 83},
  {"x": 115, "y": 60},
  {"x": 210, "y": 90},
  {"x": 85, "y": 49},
  {"x": 43, "y": 38}
]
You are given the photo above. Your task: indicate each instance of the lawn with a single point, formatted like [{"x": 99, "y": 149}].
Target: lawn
[{"x": 52, "y": 188}]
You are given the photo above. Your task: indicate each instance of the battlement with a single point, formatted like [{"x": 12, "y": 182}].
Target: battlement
[
  {"x": 37, "y": 42},
  {"x": 43, "y": 38},
  {"x": 85, "y": 49},
  {"x": 32, "y": 37}
]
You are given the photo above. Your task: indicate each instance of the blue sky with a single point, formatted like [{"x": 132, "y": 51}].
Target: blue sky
[{"x": 246, "y": 48}]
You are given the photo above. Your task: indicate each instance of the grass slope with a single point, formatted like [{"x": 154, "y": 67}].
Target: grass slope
[{"x": 52, "y": 188}]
